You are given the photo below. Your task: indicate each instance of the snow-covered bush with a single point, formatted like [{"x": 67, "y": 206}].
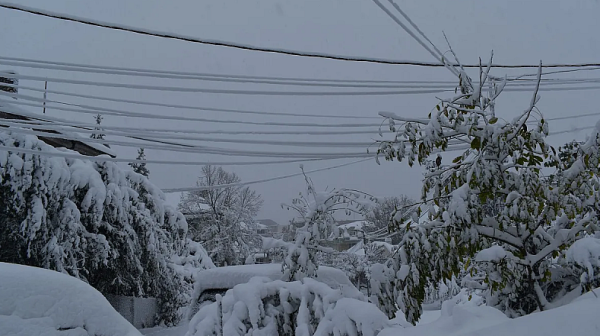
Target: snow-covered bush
[
  {"x": 93, "y": 220},
  {"x": 301, "y": 308},
  {"x": 316, "y": 211},
  {"x": 491, "y": 209}
]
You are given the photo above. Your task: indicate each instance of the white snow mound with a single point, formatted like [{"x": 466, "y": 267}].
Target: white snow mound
[
  {"x": 36, "y": 301},
  {"x": 577, "y": 318}
]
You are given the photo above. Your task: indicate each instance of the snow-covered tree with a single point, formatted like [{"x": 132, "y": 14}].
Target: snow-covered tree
[
  {"x": 93, "y": 220},
  {"x": 140, "y": 167},
  {"x": 225, "y": 214},
  {"x": 316, "y": 212},
  {"x": 98, "y": 130},
  {"x": 385, "y": 209},
  {"x": 490, "y": 210}
]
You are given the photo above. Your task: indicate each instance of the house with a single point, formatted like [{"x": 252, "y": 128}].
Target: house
[
  {"x": 270, "y": 228},
  {"x": 349, "y": 234},
  {"x": 11, "y": 112}
]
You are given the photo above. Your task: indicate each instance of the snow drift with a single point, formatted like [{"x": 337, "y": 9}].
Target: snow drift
[{"x": 35, "y": 301}]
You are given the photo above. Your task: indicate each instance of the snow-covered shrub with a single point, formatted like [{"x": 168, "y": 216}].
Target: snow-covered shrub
[
  {"x": 108, "y": 226},
  {"x": 301, "y": 308},
  {"x": 584, "y": 254},
  {"x": 492, "y": 201},
  {"x": 316, "y": 211}
]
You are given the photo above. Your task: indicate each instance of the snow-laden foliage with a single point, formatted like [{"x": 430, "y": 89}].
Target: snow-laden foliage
[
  {"x": 95, "y": 221},
  {"x": 585, "y": 254},
  {"x": 356, "y": 267},
  {"x": 316, "y": 215},
  {"x": 98, "y": 134},
  {"x": 140, "y": 167},
  {"x": 301, "y": 308},
  {"x": 223, "y": 216},
  {"x": 493, "y": 196}
]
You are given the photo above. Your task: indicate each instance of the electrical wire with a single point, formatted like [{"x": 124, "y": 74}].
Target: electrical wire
[
  {"x": 223, "y": 91},
  {"x": 105, "y": 158},
  {"x": 50, "y": 126},
  {"x": 88, "y": 109},
  {"x": 52, "y": 65},
  {"x": 188, "y": 107},
  {"x": 148, "y": 32},
  {"x": 213, "y": 187}
]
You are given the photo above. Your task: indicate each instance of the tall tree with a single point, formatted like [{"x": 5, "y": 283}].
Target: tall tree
[
  {"x": 140, "y": 167},
  {"x": 224, "y": 215},
  {"x": 491, "y": 210},
  {"x": 108, "y": 226}
]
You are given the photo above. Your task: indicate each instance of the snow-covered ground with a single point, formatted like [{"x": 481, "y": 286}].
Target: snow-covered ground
[
  {"x": 577, "y": 318},
  {"x": 39, "y": 302}
]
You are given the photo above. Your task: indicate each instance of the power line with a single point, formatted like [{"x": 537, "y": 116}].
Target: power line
[
  {"x": 148, "y": 32},
  {"x": 51, "y": 126},
  {"x": 173, "y": 190},
  {"x": 53, "y": 65},
  {"x": 224, "y": 78},
  {"x": 439, "y": 56},
  {"x": 105, "y": 158},
  {"x": 162, "y": 132},
  {"x": 87, "y": 109},
  {"x": 185, "y": 148},
  {"x": 238, "y": 111},
  {"x": 197, "y": 75},
  {"x": 190, "y": 107},
  {"x": 224, "y": 91}
]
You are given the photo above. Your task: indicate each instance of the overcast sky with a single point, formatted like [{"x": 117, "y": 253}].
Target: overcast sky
[{"x": 517, "y": 31}]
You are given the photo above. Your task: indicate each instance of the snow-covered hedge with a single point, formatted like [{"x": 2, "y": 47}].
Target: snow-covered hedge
[
  {"x": 301, "y": 308},
  {"x": 93, "y": 220}
]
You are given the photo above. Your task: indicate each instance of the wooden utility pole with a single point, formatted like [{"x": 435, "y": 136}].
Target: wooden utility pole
[{"x": 45, "y": 95}]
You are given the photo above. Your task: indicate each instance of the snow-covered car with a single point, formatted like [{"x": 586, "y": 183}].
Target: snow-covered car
[
  {"x": 36, "y": 301},
  {"x": 219, "y": 280}
]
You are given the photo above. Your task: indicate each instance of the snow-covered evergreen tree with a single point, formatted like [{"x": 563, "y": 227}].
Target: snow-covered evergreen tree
[
  {"x": 140, "y": 167},
  {"x": 108, "y": 226},
  {"x": 490, "y": 210},
  {"x": 98, "y": 131}
]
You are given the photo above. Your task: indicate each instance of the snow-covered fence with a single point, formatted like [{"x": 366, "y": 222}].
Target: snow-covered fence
[{"x": 140, "y": 312}]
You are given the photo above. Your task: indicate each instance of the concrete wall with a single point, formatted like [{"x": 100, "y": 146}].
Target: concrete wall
[{"x": 140, "y": 312}]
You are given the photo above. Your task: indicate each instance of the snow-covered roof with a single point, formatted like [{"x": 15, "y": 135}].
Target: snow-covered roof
[
  {"x": 36, "y": 301},
  {"x": 268, "y": 222},
  {"x": 358, "y": 249},
  {"x": 97, "y": 147},
  {"x": 354, "y": 225},
  {"x": 229, "y": 276},
  {"x": 389, "y": 247}
]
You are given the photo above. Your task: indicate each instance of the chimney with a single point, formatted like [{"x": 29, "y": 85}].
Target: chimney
[{"x": 5, "y": 77}]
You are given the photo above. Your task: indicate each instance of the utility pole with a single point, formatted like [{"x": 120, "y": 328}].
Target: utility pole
[{"x": 45, "y": 95}]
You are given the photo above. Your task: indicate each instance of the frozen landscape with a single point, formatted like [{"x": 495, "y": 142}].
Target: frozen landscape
[{"x": 314, "y": 168}]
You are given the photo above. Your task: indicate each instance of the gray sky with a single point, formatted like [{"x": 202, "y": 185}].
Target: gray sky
[{"x": 517, "y": 31}]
